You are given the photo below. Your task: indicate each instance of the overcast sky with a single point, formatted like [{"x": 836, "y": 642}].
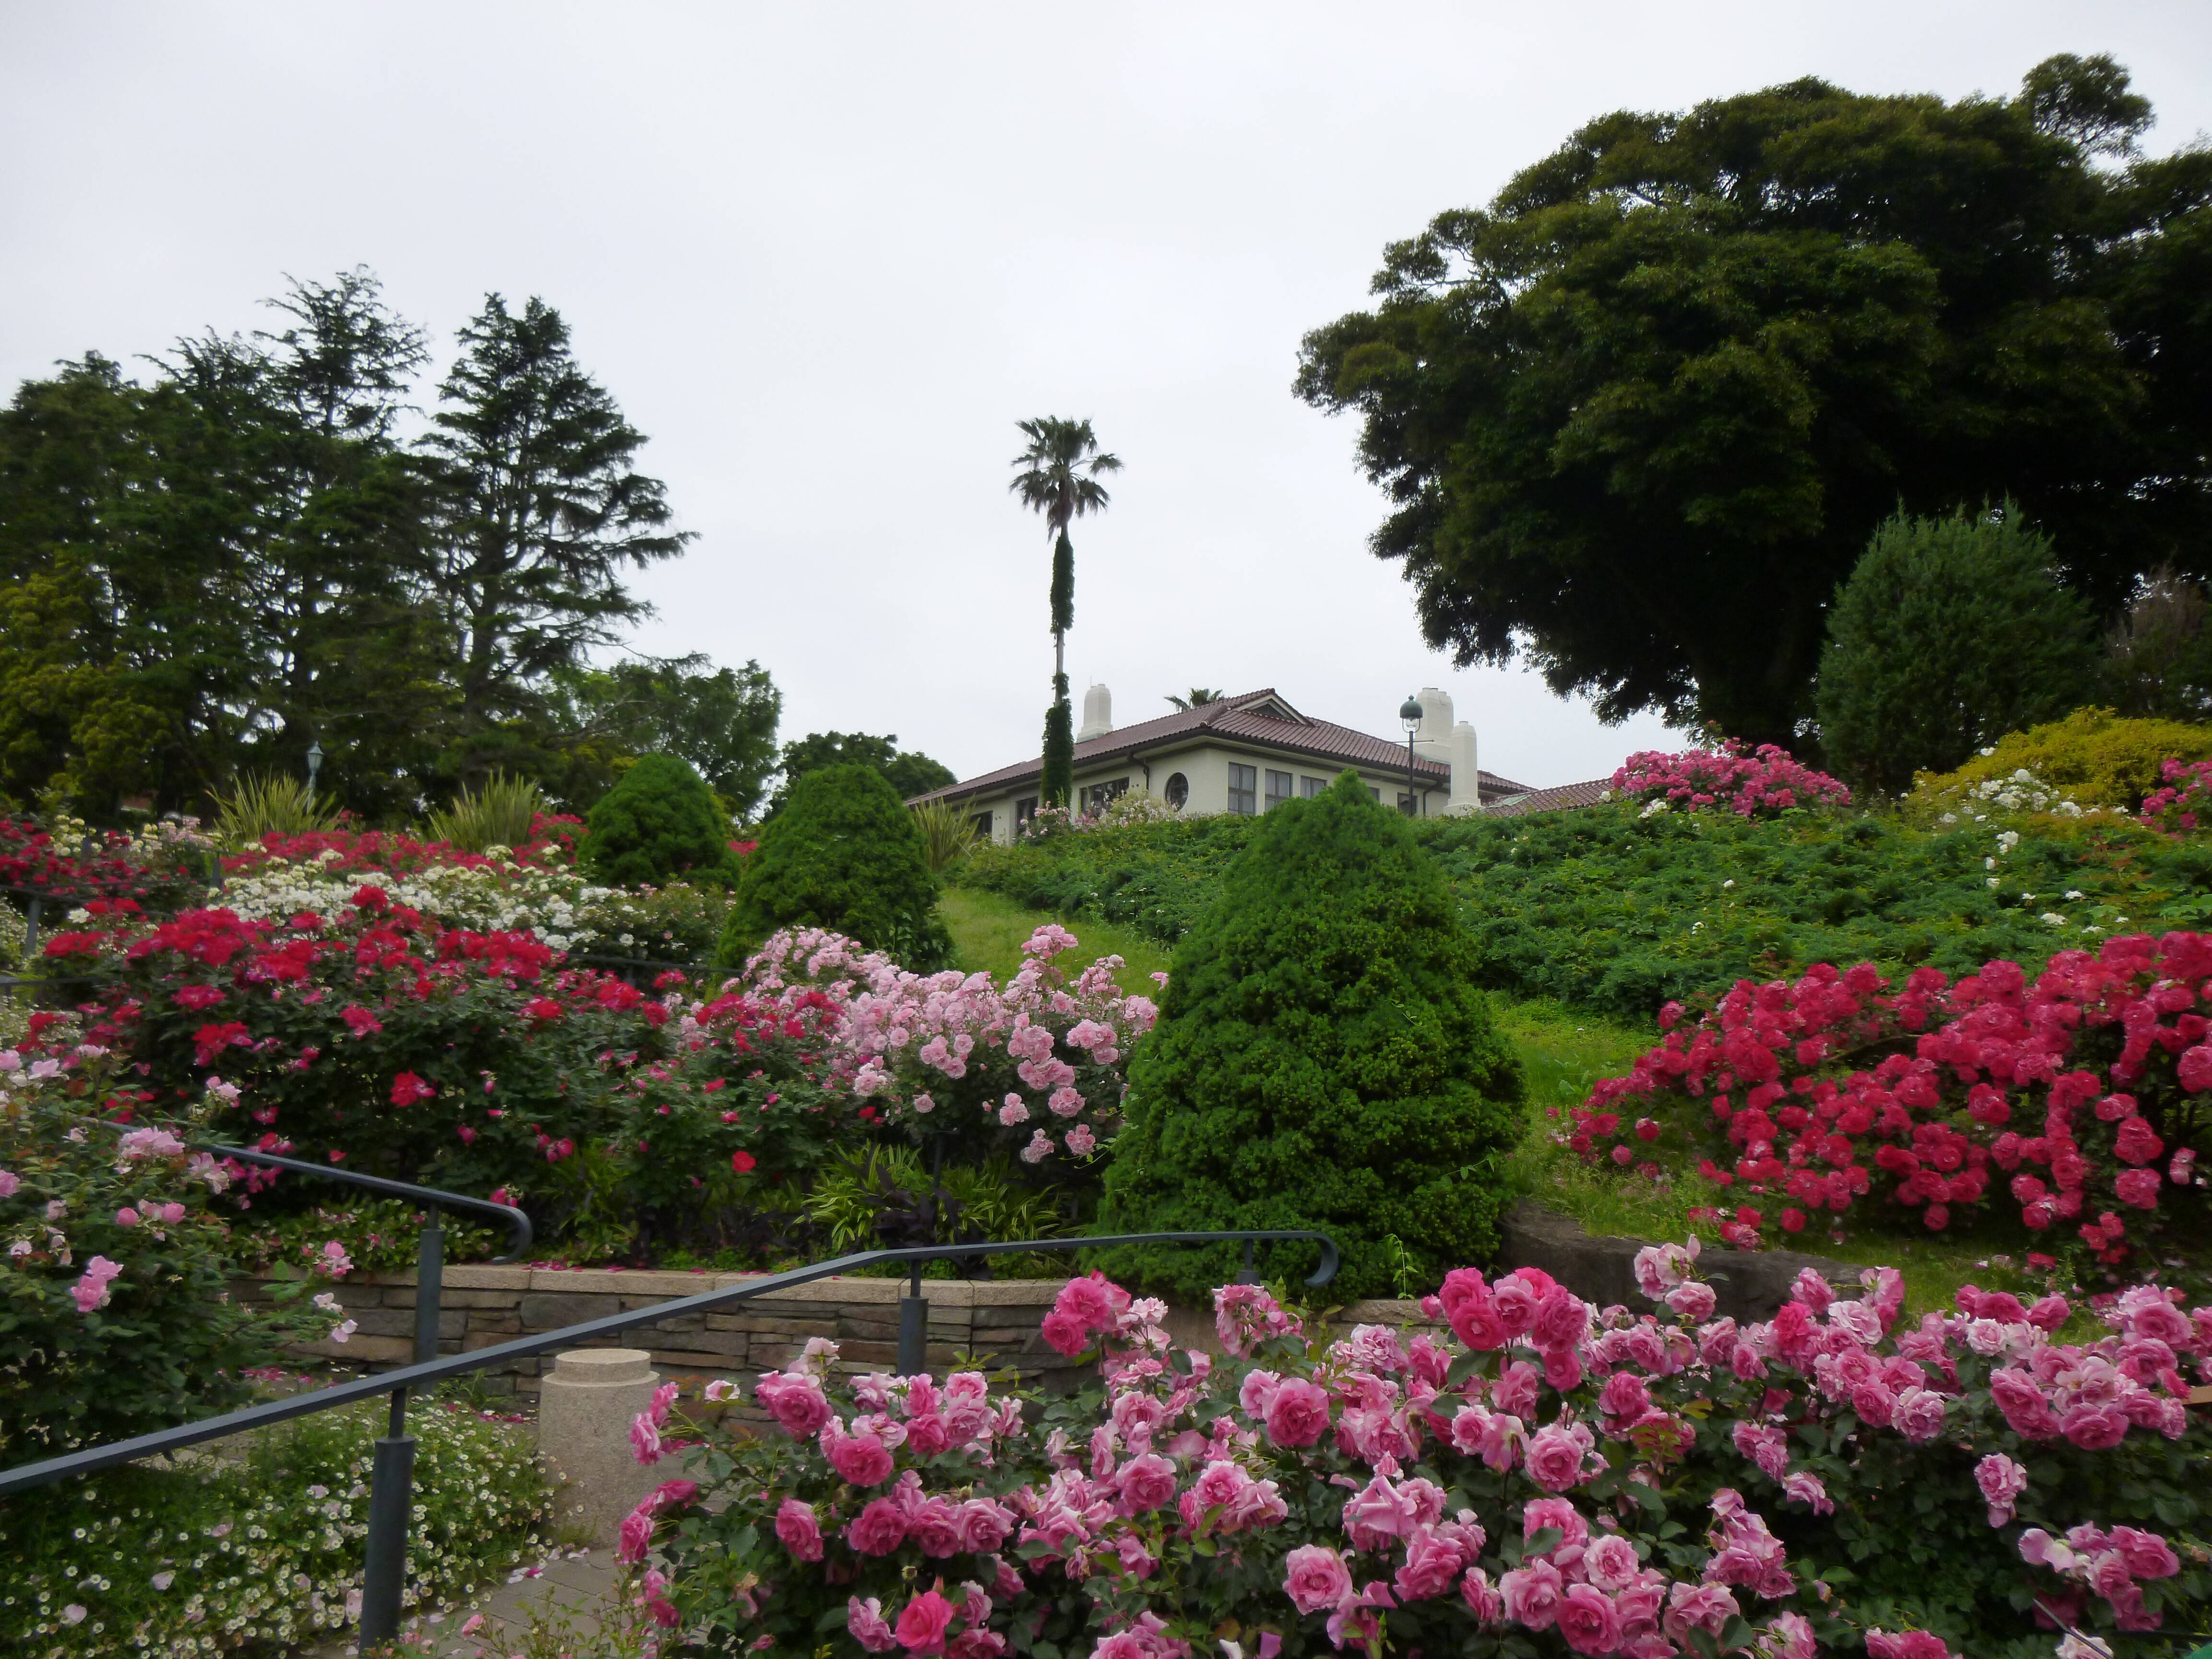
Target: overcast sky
[{"x": 826, "y": 256}]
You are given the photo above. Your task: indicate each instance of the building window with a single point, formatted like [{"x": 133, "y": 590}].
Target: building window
[
  {"x": 1374, "y": 794},
  {"x": 1024, "y": 810},
  {"x": 1279, "y": 789},
  {"x": 1178, "y": 790},
  {"x": 1309, "y": 786},
  {"x": 1408, "y": 806},
  {"x": 1095, "y": 795},
  {"x": 1243, "y": 789},
  {"x": 982, "y": 822}
]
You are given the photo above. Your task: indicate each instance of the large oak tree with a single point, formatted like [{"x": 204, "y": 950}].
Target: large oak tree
[{"x": 1639, "y": 417}]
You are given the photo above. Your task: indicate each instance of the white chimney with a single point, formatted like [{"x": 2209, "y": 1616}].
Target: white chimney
[
  {"x": 1432, "y": 737},
  {"x": 1097, "y": 714},
  {"x": 1466, "y": 781}
]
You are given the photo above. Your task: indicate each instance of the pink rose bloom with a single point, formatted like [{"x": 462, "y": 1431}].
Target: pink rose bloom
[
  {"x": 1919, "y": 1414},
  {"x": 1432, "y": 1566},
  {"x": 1586, "y": 1618},
  {"x": 984, "y": 1525},
  {"x": 645, "y": 1438},
  {"x": 9, "y": 1183},
  {"x": 1147, "y": 1483},
  {"x": 2094, "y": 1428},
  {"x": 1376, "y": 1515},
  {"x": 796, "y": 1402},
  {"x": 1698, "y": 1607},
  {"x": 2147, "y": 1554},
  {"x": 1610, "y": 1564},
  {"x": 868, "y": 1627},
  {"x": 862, "y": 1458},
  {"x": 2049, "y": 1313},
  {"x": 935, "y": 1525},
  {"x": 877, "y": 1529},
  {"x": 800, "y": 1532},
  {"x": 1695, "y": 1301},
  {"x": 1788, "y": 1635},
  {"x": 636, "y": 1535},
  {"x": 1514, "y": 1391},
  {"x": 1255, "y": 1391},
  {"x": 1516, "y": 1297},
  {"x": 93, "y": 1290},
  {"x": 1562, "y": 1320},
  {"x": 126, "y": 1217},
  {"x": 1091, "y": 1299},
  {"x": 922, "y": 1624},
  {"x": 1554, "y": 1459},
  {"x": 1764, "y": 1445},
  {"x": 1298, "y": 1414},
  {"x": 1476, "y": 1591},
  {"x": 1316, "y": 1578},
  {"x": 2002, "y": 1481},
  {"x": 1905, "y": 1645},
  {"x": 1625, "y": 1395},
  {"x": 1803, "y": 1487},
  {"x": 1260, "y": 1503},
  {"x": 1543, "y": 1512},
  {"x": 1220, "y": 1483},
  {"x": 1067, "y": 1332},
  {"x": 1470, "y": 1309},
  {"x": 1531, "y": 1593}
]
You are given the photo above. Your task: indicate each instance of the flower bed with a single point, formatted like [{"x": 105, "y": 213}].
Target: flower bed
[
  {"x": 2077, "y": 1094},
  {"x": 265, "y": 1549},
  {"x": 1765, "y": 781},
  {"x": 1558, "y": 1478}
]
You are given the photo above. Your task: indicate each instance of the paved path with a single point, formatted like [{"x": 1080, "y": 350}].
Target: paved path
[{"x": 567, "y": 1586}]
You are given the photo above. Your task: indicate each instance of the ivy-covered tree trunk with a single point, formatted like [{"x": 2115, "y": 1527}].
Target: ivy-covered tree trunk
[{"x": 1059, "y": 780}]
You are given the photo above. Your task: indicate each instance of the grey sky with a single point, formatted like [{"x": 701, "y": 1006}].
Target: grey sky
[{"x": 827, "y": 256}]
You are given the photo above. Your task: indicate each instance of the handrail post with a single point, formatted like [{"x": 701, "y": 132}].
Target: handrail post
[
  {"x": 391, "y": 1501},
  {"x": 430, "y": 1277},
  {"x": 1248, "y": 1276},
  {"x": 913, "y": 1327},
  {"x": 31, "y": 930}
]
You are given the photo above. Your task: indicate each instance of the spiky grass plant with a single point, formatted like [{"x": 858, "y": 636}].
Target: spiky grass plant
[
  {"x": 948, "y": 834},
  {"x": 497, "y": 812},
  {"x": 262, "y": 802}
]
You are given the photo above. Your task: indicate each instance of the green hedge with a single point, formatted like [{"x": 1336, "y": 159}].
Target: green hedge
[{"x": 1609, "y": 912}]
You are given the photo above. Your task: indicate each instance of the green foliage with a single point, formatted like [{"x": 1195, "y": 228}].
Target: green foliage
[
  {"x": 1323, "y": 1060},
  {"x": 875, "y": 1196},
  {"x": 379, "y": 1235},
  {"x": 948, "y": 834},
  {"x": 911, "y": 772},
  {"x": 497, "y": 812},
  {"x": 659, "y": 821},
  {"x": 721, "y": 720},
  {"x": 262, "y": 805},
  {"x": 2092, "y": 755},
  {"x": 1157, "y": 879},
  {"x": 1949, "y": 633},
  {"x": 1639, "y": 417},
  {"x": 2160, "y": 654},
  {"x": 843, "y": 854},
  {"x": 259, "y": 1552},
  {"x": 1057, "y": 782}
]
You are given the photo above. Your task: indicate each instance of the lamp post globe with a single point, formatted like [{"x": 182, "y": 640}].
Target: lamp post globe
[
  {"x": 1409, "y": 716},
  {"x": 314, "y": 763}
]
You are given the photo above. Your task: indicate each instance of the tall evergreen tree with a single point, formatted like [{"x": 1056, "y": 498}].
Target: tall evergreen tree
[
  {"x": 1059, "y": 478},
  {"x": 543, "y": 511}
]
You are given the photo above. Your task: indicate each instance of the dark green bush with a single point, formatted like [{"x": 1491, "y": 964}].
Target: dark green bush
[
  {"x": 843, "y": 854},
  {"x": 1323, "y": 1060},
  {"x": 660, "y": 821},
  {"x": 1948, "y": 634}
]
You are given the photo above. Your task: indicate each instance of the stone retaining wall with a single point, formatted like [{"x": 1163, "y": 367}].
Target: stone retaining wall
[{"x": 997, "y": 1322}]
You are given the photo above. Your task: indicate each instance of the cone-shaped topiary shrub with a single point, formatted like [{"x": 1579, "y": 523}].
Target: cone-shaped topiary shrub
[
  {"x": 844, "y": 853},
  {"x": 1324, "y": 1060},
  {"x": 660, "y": 821}
]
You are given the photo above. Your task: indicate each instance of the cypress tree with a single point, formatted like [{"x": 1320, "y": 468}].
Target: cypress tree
[
  {"x": 659, "y": 821},
  {"x": 1059, "y": 780},
  {"x": 844, "y": 853},
  {"x": 1948, "y": 633},
  {"x": 1323, "y": 1060}
]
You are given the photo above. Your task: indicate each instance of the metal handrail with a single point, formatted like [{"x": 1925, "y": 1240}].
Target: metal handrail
[
  {"x": 391, "y": 1490},
  {"x": 520, "y": 1231}
]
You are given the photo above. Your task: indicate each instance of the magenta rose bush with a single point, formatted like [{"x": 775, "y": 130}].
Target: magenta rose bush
[
  {"x": 2183, "y": 802},
  {"x": 1759, "y": 784},
  {"x": 1544, "y": 1477},
  {"x": 2076, "y": 1101}
]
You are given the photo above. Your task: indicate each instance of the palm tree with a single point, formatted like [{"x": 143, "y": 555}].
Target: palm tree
[
  {"x": 1197, "y": 698},
  {"x": 1058, "y": 476}
]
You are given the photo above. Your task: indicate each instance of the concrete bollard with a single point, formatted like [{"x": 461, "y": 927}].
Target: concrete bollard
[{"x": 583, "y": 1411}]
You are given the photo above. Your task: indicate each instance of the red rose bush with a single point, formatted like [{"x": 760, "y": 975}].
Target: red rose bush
[
  {"x": 1760, "y": 784},
  {"x": 1548, "y": 1478},
  {"x": 2075, "y": 1100}
]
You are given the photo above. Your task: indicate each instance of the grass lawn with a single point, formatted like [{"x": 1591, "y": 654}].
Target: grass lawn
[{"x": 987, "y": 932}]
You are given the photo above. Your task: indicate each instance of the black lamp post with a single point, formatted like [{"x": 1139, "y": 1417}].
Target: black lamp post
[
  {"x": 314, "y": 764},
  {"x": 1409, "y": 716}
]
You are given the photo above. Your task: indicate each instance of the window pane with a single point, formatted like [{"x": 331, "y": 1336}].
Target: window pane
[
  {"x": 1243, "y": 789},
  {"x": 1278, "y": 788},
  {"x": 1311, "y": 787}
]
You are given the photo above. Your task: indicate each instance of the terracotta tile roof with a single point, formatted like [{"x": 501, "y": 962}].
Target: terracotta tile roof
[
  {"x": 1260, "y": 717},
  {"x": 1547, "y": 800}
]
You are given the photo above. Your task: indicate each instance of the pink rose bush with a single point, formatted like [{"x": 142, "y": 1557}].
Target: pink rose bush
[
  {"x": 1531, "y": 1474},
  {"x": 1043, "y": 1057},
  {"x": 1758, "y": 784},
  {"x": 2182, "y": 803},
  {"x": 2074, "y": 1101},
  {"x": 113, "y": 1274}
]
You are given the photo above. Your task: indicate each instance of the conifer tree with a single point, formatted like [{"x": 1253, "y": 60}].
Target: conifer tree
[
  {"x": 659, "y": 824},
  {"x": 1323, "y": 1060}
]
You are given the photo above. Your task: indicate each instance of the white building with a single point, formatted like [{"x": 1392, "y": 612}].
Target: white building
[{"x": 1242, "y": 755}]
